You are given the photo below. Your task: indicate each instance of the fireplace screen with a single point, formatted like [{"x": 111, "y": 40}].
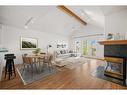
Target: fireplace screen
[{"x": 114, "y": 67}]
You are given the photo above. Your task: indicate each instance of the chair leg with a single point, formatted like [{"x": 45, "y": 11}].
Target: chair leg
[
  {"x": 28, "y": 68},
  {"x": 48, "y": 66},
  {"x": 14, "y": 67},
  {"x": 11, "y": 67},
  {"x": 51, "y": 65},
  {"x": 9, "y": 70},
  {"x": 39, "y": 64},
  {"x": 31, "y": 69},
  {"x": 36, "y": 67},
  {"x": 23, "y": 69}
]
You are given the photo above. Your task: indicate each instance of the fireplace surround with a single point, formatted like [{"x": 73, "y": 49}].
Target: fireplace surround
[
  {"x": 114, "y": 67},
  {"x": 115, "y": 54}
]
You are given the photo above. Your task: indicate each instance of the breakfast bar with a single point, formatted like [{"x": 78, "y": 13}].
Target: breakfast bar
[{"x": 2, "y": 61}]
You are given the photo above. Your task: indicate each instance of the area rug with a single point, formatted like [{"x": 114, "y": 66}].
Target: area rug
[
  {"x": 39, "y": 72},
  {"x": 99, "y": 73}
]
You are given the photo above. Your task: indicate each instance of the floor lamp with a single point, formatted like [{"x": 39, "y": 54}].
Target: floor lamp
[{"x": 49, "y": 46}]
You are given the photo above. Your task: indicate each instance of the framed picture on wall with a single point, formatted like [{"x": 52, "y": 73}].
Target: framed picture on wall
[
  {"x": 59, "y": 45},
  {"x": 28, "y": 43}
]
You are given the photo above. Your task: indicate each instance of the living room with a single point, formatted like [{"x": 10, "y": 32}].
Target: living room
[{"x": 73, "y": 35}]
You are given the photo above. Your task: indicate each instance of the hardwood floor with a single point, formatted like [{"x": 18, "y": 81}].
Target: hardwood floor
[{"x": 78, "y": 78}]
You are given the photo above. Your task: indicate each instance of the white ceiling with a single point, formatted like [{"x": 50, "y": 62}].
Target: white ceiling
[
  {"x": 107, "y": 10},
  {"x": 18, "y": 16},
  {"x": 95, "y": 14},
  {"x": 47, "y": 18},
  {"x": 50, "y": 18}
]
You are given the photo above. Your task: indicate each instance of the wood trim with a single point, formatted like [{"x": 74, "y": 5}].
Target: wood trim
[
  {"x": 114, "y": 60},
  {"x": 70, "y": 13},
  {"x": 114, "y": 74},
  {"x": 113, "y": 42}
]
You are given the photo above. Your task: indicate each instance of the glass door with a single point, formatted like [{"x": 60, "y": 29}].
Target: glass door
[
  {"x": 93, "y": 48},
  {"x": 85, "y": 47},
  {"x": 78, "y": 46},
  {"x": 89, "y": 48}
]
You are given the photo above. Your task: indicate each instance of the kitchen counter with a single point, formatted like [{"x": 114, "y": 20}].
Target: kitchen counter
[{"x": 2, "y": 62}]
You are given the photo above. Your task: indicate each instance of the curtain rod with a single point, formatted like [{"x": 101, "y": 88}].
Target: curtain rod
[{"x": 89, "y": 35}]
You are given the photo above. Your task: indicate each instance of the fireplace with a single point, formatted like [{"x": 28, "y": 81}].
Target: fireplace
[
  {"x": 115, "y": 54},
  {"x": 114, "y": 67}
]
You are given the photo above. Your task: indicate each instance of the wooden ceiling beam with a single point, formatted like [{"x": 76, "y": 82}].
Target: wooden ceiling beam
[{"x": 69, "y": 12}]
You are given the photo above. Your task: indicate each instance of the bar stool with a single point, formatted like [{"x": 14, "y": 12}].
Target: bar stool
[{"x": 9, "y": 67}]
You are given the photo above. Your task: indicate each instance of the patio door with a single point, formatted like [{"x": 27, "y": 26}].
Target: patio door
[
  {"x": 89, "y": 48},
  {"x": 78, "y": 46}
]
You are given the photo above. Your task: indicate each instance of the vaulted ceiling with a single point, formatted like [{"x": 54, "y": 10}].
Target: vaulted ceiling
[
  {"x": 95, "y": 14},
  {"x": 52, "y": 19}
]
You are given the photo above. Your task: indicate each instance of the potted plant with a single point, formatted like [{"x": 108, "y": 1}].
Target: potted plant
[{"x": 37, "y": 51}]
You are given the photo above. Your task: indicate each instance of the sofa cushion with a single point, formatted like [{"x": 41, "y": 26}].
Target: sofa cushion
[
  {"x": 64, "y": 51},
  {"x": 70, "y": 51},
  {"x": 58, "y": 52},
  {"x": 61, "y": 52}
]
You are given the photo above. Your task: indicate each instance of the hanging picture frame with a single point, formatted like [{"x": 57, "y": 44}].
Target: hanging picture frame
[{"x": 28, "y": 43}]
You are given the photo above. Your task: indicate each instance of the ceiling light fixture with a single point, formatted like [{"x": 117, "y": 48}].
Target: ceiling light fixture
[
  {"x": 26, "y": 27},
  {"x": 31, "y": 20},
  {"x": 82, "y": 12}
]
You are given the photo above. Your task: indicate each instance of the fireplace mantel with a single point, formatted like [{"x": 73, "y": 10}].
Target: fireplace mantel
[{"x": 113, "y": 42}]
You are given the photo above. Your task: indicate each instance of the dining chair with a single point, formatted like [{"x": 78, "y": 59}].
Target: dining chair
[
  {"x": 41, "y": 59},
  {"x": 48, "y": 60},
  {"x": 28, "y": 61},
  {"x": 24, "y": 61}
]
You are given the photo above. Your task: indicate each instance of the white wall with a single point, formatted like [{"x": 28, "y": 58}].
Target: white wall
[
  {"x": 1, "y": 35},
  {"x": 12, "y": 40},
  {"x": 116, "y": 22},
  {"x": 90, "y": 30},
  {"x": 0, "y": 53}
]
